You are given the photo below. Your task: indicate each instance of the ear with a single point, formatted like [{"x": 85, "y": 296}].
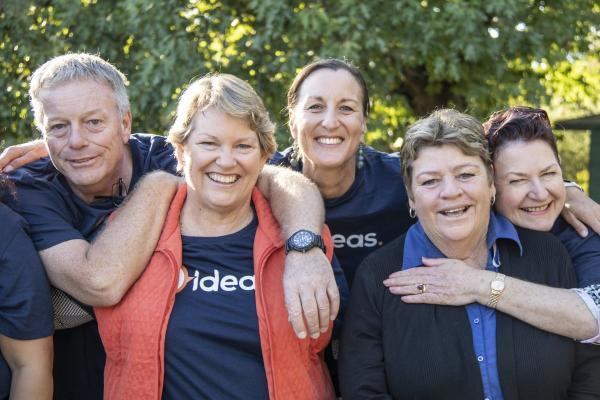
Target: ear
[
  {"x": 292, "y": 124},
  {"x": 126, "y": 126},
  {"x": 364, "y": 131},
  {"x": 180, "y": 157},
  {"x": 411, "y": 203}
]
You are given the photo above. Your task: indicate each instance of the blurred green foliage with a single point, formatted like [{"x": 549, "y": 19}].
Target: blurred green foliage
[{"x": 475, "y": 55}]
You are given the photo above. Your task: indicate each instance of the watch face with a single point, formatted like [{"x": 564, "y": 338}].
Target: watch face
[
  {"x": 302, "y": 239},
  {"x": 497, "y": 285}
]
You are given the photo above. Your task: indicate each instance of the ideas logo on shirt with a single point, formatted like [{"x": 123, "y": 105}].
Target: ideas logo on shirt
[
  {"x": 214, "y": 282},
  {"x": 355, "y": 241}
]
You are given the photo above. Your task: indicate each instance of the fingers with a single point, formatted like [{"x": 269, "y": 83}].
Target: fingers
[
  {"x": 425, "y": 298},
  {"x": 311, "y": 313},
  {"x": 295, "y": 317},
  {"x": 6, "y": 157},
  {"x": 409, "y": 272},
  {"x": 14, "y": 157},
  {"x": 410, "y": 289},
  {"x": 333, "y": 294},
  {"x": 574, "y": 222},
  {"x": 324, "y": 309},
  {"x": 435, "y": 262}
]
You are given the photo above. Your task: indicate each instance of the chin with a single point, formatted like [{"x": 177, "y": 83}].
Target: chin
[{"x": 539, "y": 225}]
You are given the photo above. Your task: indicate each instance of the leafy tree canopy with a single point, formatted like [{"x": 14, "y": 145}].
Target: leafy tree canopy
[{"x": 476, "y": 55}]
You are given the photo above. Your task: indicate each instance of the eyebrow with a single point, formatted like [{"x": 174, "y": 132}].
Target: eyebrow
[
  {"x": 343, "y": 100},
  {"x": 245, "y": 137},
  {"x": 518, "y": 173},
  {"x": 458, "y": 167}
]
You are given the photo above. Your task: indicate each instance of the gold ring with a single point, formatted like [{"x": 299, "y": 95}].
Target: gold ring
[{"x": 422, "y": 288}]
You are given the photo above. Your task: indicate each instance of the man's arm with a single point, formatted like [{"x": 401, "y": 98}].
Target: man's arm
[
  {"x": 30, "y": 362},
  {"x": 16, "y": 156},
  {"x": 101, "y": 272},
  {"x": 452, "y": 282},
  {"x": 308, "y": 280}
]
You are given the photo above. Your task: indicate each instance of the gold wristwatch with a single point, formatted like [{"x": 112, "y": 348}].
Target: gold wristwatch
[{"x": 496, "y": 289}]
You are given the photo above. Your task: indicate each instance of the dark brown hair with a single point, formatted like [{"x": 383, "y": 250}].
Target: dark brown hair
[
  {"x": 333, "y": 64},
  {"x": 519, "y": 124}
]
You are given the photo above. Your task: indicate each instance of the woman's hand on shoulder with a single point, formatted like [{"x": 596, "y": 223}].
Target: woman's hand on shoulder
[
  {"x": 580, "y": 210},
  {"x": 16, "y": 156},
  {"x": 441, "y": 281}
]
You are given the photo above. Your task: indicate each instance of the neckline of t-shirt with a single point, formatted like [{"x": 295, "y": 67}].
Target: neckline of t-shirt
[{"x": 246, "y": 230}]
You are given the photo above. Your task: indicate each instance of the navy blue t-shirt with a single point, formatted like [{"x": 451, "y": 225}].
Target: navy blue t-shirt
[
  {"x": 56, "y": 215},
  {"x": 25, "y": 304},
  {"x": 584, "y": 252},
  {"x": 371, "y": 213},
  {"x": 212, "y": 345}
]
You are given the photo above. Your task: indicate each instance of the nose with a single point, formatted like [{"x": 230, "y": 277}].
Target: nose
[
  {"x": 330, "y": 119},
  {"x": 76, "y": 137},
  {"x": 538, "y": 191},
  {"x": 450, "y": 188},
  {"x": 226, "y": 158}
]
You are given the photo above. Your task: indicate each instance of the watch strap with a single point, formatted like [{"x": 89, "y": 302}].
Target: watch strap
[{"x": 496, "y": 293}]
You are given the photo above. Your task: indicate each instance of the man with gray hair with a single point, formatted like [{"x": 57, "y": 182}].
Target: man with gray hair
[{"x": 81, "y": 108}]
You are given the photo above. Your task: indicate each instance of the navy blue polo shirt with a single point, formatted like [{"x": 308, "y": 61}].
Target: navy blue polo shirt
[
  {"x": 56, "y": 215},
  {"x": 584, "y": 252},
  {"x": 212, "y": 344},
  {"x": 25, "y": 304},
  {"x": 371, "y": 213}
]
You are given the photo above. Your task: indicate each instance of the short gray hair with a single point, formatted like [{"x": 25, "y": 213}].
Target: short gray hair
[
  {"x": 229, "y": 94},
  {"x": 445, "y": 126},
  {"x": 74, "y": 67}
]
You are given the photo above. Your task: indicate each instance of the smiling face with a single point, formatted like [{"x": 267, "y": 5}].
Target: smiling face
[
  {"x": 328, "y": 121},
  {"x": 530, "y": 185},
  {"x": 86, "y": 136},
  {"x": 221, "y": 160},
  {"x": 451, "y": 195}
]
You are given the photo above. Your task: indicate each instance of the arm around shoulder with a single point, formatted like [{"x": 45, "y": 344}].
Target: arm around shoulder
[{"x": 101, "y": 272}]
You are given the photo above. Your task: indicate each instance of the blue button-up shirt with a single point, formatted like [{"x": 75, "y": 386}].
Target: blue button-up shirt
[{"x": 481, "y": 318}]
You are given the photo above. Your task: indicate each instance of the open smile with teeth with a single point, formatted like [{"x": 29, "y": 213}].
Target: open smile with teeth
[
  {"x": 219, "y": 178},
  {"x": 536, "y": 209},
  {"x": 329, "y": 140},
  {"x": 455, "y": 212}
]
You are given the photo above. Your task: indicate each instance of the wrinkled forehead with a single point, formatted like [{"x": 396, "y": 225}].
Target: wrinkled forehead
[
  {"x": 442, "y": 158},
  {"x": 77, "y": 96}
]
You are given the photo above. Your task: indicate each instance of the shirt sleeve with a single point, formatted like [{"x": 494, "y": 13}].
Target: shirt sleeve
[
  {"x": 591, "y": 297},
  {"x": 25, "y": 303},
  {"x": 51, "y": 217},
  {"x": 584, "y": 253}
]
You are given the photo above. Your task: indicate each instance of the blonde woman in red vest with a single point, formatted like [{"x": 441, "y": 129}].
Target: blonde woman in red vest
[{"x": 207, "y": 318}]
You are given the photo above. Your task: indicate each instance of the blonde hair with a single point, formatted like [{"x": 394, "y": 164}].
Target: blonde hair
[
  {"x": 231, "y": 95},
  {"x": 445, "y": 126},
  {"x": 76, "y": 67}
]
